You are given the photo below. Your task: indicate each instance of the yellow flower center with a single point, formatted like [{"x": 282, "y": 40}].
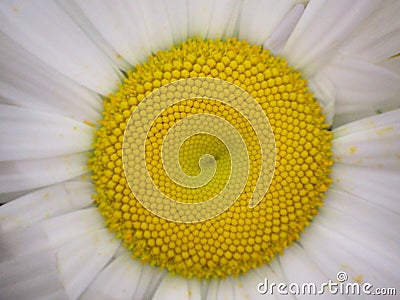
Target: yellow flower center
[{"x": 134, "y": 183}]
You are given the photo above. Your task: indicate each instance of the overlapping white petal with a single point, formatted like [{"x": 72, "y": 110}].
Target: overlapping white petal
[
  {"x": 80, "y": 17},
  {"x": 121, "y": 26},
  {"x": 150, "y": 279},
  {"x": 31, "y": 277},
  {"x": 211, "y": 292},
  {"x": 303, "y": 272},
  {"x": 50, "y": 234},
  {"x": 37, "y": 28},
  {"x": 117, "y": 281},
  {"x": 272, "y": 273},
  {"x": 71, "y": 249},
  {"x": 82, "y": 259},
  {"x": 246, "y": 287},
  {"x": 173, "y": 287},
  {"x": 362, "y": 86},
  {"x": 375, "y": 185},
  {"x": 20, "y": 175},
  {"x": 40, "y": 205},
  {"x": 392, "y": 64},
  {"x": 38, "y": 86},
  {"x": 373, "y": 142},
  {"x": 277, "y": 40},
  {"x": 323, "y": 27},
  {"x": 195, "y": 292},
  {"x": 348, "y": 254},
  {"x": 367, "y": 159},
  {"x": 324, "y": 91},
  {"x": 384, "y": 222},
  {"x": 212, "y": 18},
  {"x": 378, "y": 37},
  {"x": 259, "y": 19},
  {"x": 29, "y": 134},
  {"x": 226, "y": 289}
]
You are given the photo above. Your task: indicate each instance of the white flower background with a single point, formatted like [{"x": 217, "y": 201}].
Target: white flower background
[{"x": 57, "y": 58}]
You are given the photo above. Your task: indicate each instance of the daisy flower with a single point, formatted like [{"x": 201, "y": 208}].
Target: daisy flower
[{"x": 275, "y": 125}]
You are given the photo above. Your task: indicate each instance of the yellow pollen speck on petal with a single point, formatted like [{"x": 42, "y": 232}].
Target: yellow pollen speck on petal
[
  {"x": 353, "y": 149},
  {"x": 383, "y": 131},
  {"x": 240, "y": 238},
  {"x": 358, "y": 278},
  {"x": 88, "y": 123}
]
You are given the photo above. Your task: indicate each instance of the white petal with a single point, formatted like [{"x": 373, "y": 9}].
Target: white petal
[
  {"x": 225, "y": 14},
  {"x": 66, "y": 227},
  {"x": 302, "y": 272},
  {"x": 246, "y": 287},
  {"x": 7, "y": 197},
  {"x": 354, "y": 114},
  {"x": 226, "y": 289},
  {"x": 178, "y": 18},
  {"x": 51, "y": 233},
  {"x": 385, "y": 222},
  {"x": 31, "y": 277},
  {"x": 212, "y": 19},
  {"x": 204, "y": 287},
  {"x": 78, "y": 15},
  {"x": 82, "y": 259},
  {"x": 392, "y": 64},
  {"x": 45, "y": 203},
  {"x": 150, "y": 278},
  {"x": 259, "y": 19},
  {"x": 22, "y": 242},
  {"x": 277, "y": 41},
  {"x": 29, "y": 174},
  {"x": 195, "y": 289},
  {"x": 29, "y": 134},
  {"x": 375, "y": 185},
  {"x": 40, "y": 87},
  {"x": 47, "y": 32},
  {"x": 121, "y": 26},
  {"x": 334, "y": 252},
  {"x": 117, "y": 281},
  {"x": 212, "y": 289},
  {"x": 379, "y": 36},
  {"x": 199, "y": 17},
  {"x": 379, "y": 121},
  {"x": 359, "y": 85},
  {"x": 377, "y": 147},
  {"x": 172, "y": 287},
  {"x": 362, "y": 233},
  {"x": 319, "y": 33},
  {"x": 157, "y": 23},
  {"x": 272, "y": 273},
  {"x": 325, "y": 93}
]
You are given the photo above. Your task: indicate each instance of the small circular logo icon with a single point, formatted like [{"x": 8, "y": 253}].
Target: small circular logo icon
[{"x": 342, "y": 276}]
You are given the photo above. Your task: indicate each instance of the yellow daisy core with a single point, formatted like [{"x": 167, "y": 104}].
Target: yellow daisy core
[{"x": 240, "y": 236}]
